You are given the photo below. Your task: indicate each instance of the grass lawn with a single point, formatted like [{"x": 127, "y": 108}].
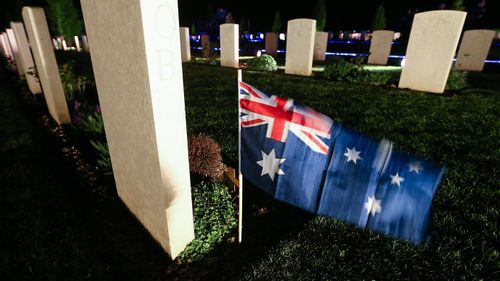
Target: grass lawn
[
  {"x": 460, "y": 129},
  {"x": 53, "y": 232}
]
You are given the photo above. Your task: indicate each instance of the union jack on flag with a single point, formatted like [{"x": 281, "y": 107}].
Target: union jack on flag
[{"x": 283, "y": 115}]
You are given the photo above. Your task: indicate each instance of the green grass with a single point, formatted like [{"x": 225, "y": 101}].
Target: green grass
[
  {"x": 460, "y": 129},
  {"x": 52, "y": 229}
]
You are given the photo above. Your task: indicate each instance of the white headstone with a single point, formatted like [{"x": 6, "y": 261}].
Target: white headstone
[
  {"x": 380, "y": 47},
  {"x": 433, "y": 41},
  {"x": 229, "y": 45},
  {"x": 46, "y": 64},
  {"x": 271, "y": 43},
  {"x": 320, "y": 45},
  {"x": 205, "y": 44},
  {"x": 6, "y": 45},
  {"x": 136, "y": 56},
  {"x": 15, "y": 51},
  {"x": 474, "y": 49},
  {"x": 185, "y": 44},
  {"x": 77, "y": 43},
  {"x": 85, "y": 43},
  {"x": 25, "y": 57},
  {"x": 300, "y": 46}
]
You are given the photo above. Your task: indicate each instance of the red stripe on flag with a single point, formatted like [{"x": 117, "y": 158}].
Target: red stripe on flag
[
  {"x": 251, "y": 122},
  {"x": 322, "y": 146},
  {"x": 247, "y": 88}
]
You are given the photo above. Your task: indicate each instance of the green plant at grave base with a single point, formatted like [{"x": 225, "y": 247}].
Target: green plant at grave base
[
  {"x": 353, "y": 73},
  {"x": 103, "y": 159},
  {"x": 457, "y": 80},
  {"x": 263, "y": 63},
  {"x": 276, "y": 22},
  {"x": 33, "y": 71},
  {"x": 379, "y": 20},
  {"x": 214, "y": 219},
  {"x": 92, "y": 123},
  {"x": 64, "y": 19},
  {"x": 73, "y": 84},
  {"x": 319, "y": 13}
]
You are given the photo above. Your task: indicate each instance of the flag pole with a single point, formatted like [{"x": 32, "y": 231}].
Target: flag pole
[{"x": 240, "y": 175}]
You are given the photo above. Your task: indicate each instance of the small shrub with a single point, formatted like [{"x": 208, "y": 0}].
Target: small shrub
[
  {"x": 263, "y": 63},
  {"x": 205, "y": 157},
  {"x": 353, "y": 73},
  {"x": 214, "y": 219},
  {"x": 340, "y": 71},
  {"x": 456, "y": 80}
]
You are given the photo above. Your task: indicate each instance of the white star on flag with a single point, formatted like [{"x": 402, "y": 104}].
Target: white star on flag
[
  {"x": 415, "y": 166},
  {"x": 372, "y": 206},
  {"x": 396, "y": 179},
  {"x": 352, "y": 155},
  {"x": 270, "y": 164}
]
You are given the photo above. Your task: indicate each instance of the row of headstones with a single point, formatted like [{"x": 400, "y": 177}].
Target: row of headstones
[
  {"x": 472, "y": 53},
  {"x": 30, "y": 51},
  {"x": 136, "y": 58},
  {"x": 433, "y": 42}
]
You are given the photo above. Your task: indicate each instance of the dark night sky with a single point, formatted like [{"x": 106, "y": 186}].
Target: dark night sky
[{"x": 341, "y": 15}]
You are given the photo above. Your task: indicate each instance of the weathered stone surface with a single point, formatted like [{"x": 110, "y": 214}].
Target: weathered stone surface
[
  {"x": 136, "y": 56},
  {"x": 45, "y": 61},
  {"x": 26, "y": 59},
  {"x": 320, "y": 44},
  {"x": 433, "y": 41},
  {"x": 300, "y": 46},
  {"x": 474, "y": 49},
  {"x": 229, "y": 45},
  {"x": 271, "y": 43},
  {"x": 380, "y": 47},
  {"x": 185, "y": 44}
]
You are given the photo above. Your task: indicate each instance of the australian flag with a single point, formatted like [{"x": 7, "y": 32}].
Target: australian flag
[{"x": 302, "y": 157}]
